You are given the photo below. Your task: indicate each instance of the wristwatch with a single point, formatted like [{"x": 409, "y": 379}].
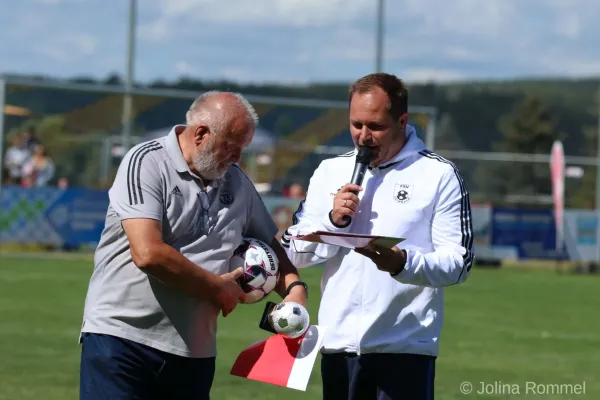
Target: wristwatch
[{"x": 297, "y": 283}]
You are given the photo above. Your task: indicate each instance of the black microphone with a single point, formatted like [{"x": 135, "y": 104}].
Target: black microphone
[{"x": 363, "y": 159}]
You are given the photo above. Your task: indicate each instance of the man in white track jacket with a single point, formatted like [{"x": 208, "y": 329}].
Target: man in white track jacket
[{"x": 383, "y": 309}]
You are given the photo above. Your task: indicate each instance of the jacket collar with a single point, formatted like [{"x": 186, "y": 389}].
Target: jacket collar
[
  {"x": 412, "y": 146},
  {"x": 174, "y": 151}
]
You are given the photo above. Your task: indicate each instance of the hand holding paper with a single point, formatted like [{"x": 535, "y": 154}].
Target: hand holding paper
[{"x": 386, "y": 259}]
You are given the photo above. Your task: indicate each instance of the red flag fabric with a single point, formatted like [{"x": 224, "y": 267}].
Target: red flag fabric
[{"x": 279, "y": 360}]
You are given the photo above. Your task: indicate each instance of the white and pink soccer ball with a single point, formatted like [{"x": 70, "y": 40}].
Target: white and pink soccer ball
[{"x": 261, "y": 269}]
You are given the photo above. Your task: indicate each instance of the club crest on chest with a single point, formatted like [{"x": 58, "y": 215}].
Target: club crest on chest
[
  {"x": 226, "y": 198},
  {"x": 403, "y": 193}
]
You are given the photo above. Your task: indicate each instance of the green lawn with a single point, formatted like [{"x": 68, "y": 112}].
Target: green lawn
[{"x": 508, "y": 326}]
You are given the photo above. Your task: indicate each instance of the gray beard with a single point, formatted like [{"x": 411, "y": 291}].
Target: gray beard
[{"x": 206, "y": 165}]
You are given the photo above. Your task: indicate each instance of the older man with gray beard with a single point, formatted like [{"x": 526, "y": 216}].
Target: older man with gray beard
[{"x": 179, "y": 207}]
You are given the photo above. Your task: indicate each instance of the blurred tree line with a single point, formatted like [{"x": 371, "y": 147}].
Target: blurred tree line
[{"x": 523, "y": 116}]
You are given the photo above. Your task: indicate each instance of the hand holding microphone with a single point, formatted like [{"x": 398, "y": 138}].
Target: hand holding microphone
[
  {"x": 346, "y": 201},
  {"x": 345, "y": 204}
]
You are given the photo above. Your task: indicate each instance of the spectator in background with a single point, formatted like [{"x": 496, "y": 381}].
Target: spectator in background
[
  {"x": 15, "y": 158},
  {"x": 30, "y": 139},
  {"x": 39, "y": 169},
  {"x": 296, "y": 191},
  {"x": 63, "y": 182}
]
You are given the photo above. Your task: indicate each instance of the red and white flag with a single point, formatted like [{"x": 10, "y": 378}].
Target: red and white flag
[
  {"x": 281, "y": 361},
  {"x": 557, "y": 169}
]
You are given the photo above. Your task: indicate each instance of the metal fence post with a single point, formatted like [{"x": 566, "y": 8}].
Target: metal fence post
[
  {"x": 430, "y": 131},
  {"x": 2, "y": 110},
  {"x": 129, "y": 77}
]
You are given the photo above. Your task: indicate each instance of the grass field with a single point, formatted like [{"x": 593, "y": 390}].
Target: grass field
[{"x": 506, "y": 326}]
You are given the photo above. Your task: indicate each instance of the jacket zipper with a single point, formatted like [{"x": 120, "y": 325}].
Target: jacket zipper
[{"x": 376, "y": 178}]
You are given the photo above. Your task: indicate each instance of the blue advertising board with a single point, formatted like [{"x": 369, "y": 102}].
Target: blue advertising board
[
  {"x": 531, "y": 232},
  {"x": 52, "y": 216},
  {"x": 75, "y": 217}
]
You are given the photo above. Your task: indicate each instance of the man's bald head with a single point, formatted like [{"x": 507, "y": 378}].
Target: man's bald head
[
  {"x": 219, "y": 126},
  {"x": 219, "y": 110}
]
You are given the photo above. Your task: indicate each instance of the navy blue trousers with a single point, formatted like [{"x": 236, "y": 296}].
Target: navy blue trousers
[
  {"x": 118, "y": 369},
  {"x": 378, "y": 376}
]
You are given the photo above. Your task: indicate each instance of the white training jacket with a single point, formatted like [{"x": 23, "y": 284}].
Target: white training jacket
[{"x": 417, "y": 195}]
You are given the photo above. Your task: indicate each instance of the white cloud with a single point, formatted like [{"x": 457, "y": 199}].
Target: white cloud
[
  {"x": 565, "y": 67},
  {"x": 460, "y": 17},
  {"x": 569, "y": 26},
  {"x": 423, "y": 75},
  {"x": 301, "y": 40},
  {"x": 80, "y": 43},
  {"x": 460, "y": 53},
  {"x": 69, "y": 47},
  {"x": 237, "y": 74},
  {"x": 26, "y": 24},
  {"x": 297, "y": 13},
  {"x": 171, "y": 15},
  {"x": 55, "y": 54},
  {"x": 48, "y": 1},
  {"x": 55, "y": 2},
  {"x": 583, "y": 68},
  {"x": 184, "y": 68},
  {"x": 156, "y": 31}
]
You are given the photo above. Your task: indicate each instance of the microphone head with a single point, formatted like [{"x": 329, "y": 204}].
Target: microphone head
[{"x": 365, "y": 155}]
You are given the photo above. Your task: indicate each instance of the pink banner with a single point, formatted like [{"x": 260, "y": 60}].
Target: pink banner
[{"x": 557, "y": 168}]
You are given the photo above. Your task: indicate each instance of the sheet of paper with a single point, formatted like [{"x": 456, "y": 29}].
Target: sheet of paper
[
  {"x": 281, "y": 361},
  {"x": 349, "y": 240}
]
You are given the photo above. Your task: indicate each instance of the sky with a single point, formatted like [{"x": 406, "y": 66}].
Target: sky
[{"x": 302, "y": 41}]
